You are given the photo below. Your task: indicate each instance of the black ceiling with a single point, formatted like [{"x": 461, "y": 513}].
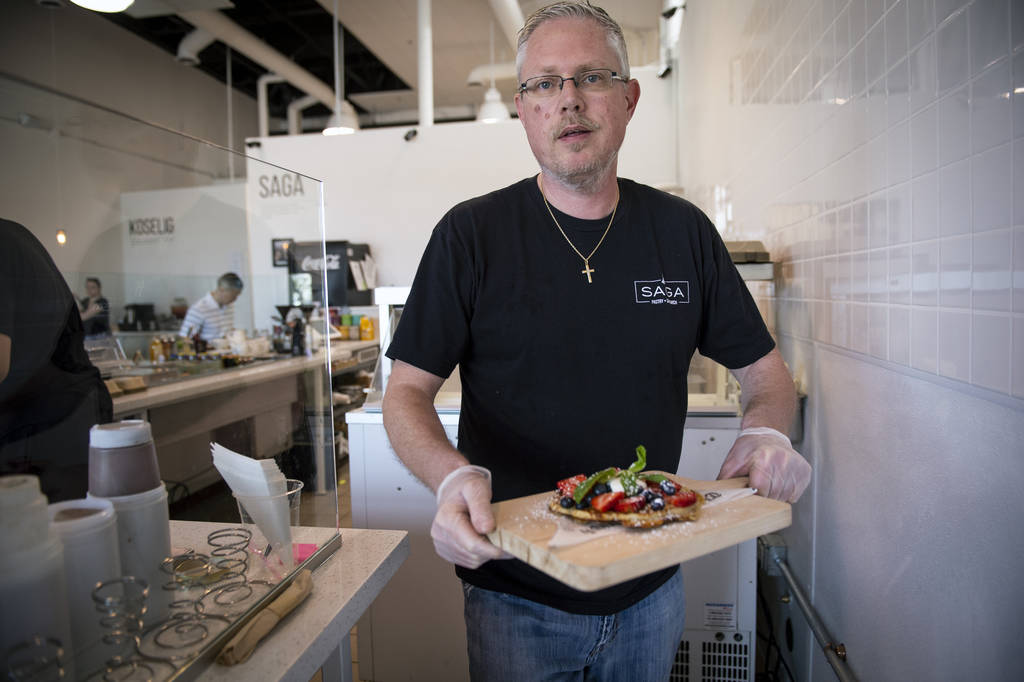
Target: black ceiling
[{"x": 299, "y": 29}]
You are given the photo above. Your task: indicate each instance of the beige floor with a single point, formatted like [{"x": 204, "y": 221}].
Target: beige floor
[{"x": 318, "y": 510}]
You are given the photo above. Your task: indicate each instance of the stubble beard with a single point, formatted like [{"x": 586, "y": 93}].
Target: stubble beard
[{"x": 584, "y": 178}]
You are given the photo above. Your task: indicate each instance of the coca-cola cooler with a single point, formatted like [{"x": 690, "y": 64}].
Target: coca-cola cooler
[{"x": 307, "y": 265}]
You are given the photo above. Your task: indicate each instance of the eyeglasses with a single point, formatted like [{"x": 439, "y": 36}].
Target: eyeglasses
[{"x": 593, "y": 80}]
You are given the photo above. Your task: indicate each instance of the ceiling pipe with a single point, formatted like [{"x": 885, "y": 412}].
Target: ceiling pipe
[
  {"x": 262, "y": 105},
  {"x": 510, "y": 18},
  {"x": 192, "y": 44},
  {"x": 485, "y": 73},
  {"x": 295, "y": 113},
  {"x": 425, "y": 47},
  {"x": 252, "y": 47}
]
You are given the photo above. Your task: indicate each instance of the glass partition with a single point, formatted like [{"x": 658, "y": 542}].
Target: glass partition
[{"x": 145, "y": 224}]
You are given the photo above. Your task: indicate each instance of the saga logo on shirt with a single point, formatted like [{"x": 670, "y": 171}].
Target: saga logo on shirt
[{"x": 661, "y": 291}]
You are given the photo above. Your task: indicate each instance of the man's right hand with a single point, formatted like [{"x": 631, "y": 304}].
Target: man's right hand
[{"x": 463, "y": 518}]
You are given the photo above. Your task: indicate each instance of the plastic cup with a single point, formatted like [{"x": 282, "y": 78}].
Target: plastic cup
[{"x": 270, "y": 519}]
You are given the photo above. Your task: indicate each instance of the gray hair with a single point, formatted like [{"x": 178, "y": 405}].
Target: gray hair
[
  {"x": 581, "y": 10},
  {"x": 229, "y": 280}
]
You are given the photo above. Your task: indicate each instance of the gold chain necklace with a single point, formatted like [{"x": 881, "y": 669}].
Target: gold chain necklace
[{"x": 587, "y": 270}]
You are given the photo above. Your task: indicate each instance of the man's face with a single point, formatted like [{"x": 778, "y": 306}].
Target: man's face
[
  {"x": 225, "y": 295},
  {"x": 574, "y": 136},
  {"x": 92, "y": 289}
]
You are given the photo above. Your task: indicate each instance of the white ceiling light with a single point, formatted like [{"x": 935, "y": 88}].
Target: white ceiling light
[
  {"x": 493, "y": 109},
  {"x": 104, "y": 5},
  {"x": 344, "y": 120}
]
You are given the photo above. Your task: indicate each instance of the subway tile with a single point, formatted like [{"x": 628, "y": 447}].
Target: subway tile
[
  {"x": 896, "y": 33},
  {"x": 822, "y": 326},
  {"x": 923, "y": 78},
  {"x": 828, "y": 227},
  {"x": 1017, "y": 96},
  {"x": 951, "y": 52},
  {"x": 878, "y": 331},
  {"x": 1017, "y": 271},
  {"x": 920, "y": 20},
  {"x": 873, "y": 11},
  {"x": 897, "y": 92},
  {"x": 1018, "y": 181},
  {"x": 842, "y": 28},
  {"x": 991, "y": 109},
  {"x": 1017, "y": 357},
  {"x": 991, "y": 184},
  {"x": 945, "y": 8},
  {"x": 874, "y": 47},
  {"x": 840, "y": 333},
  {"x": 899, "y": 202},
  {"x": 900, "y": 275},
  {"x": 899, "y": 335},
  {"x": 990, "y": 351},
  {"x": 955, "y": 272},
  {"x": 878, "y": 221},
  {"x": 1016, "y": 26},
  {"x": 858, "y": 26},
  {"x": 860, "y": 276},
  {"x": 841, "y": 285},
  {"x": 858, "y": 69},
  {"x": 844, "y": 230},
  {"x": 955, "y": 198},
  {"x": 878, "y": 275},
  {"x": 876, "y": 168},
  {"x": 859, "y": 226},
  {"x": 925, "y": 208},
  {"x": 954, "y": 126},
  {"x": 924, "y": 141},
  {"x": 925, "y": 268},
  {"x": 989, "y": 38},
  {"x": 991, "y": 270},
  {"x": 955, "y": 344},
  {"x": 859, "y": 337},
  {"x": 877, "y": 109},
  {"x": 924, "y": 339},
  {"x": 898, "y": 153}
]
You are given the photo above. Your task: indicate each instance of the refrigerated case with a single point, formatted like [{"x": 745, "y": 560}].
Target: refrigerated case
[{"x": 415, "y": 633}]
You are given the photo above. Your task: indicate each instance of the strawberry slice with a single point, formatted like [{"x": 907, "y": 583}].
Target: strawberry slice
[
  {"x": 567, "y": 485},
  {"x": 606, "y": 501},
  {"x": 682, "y": 499},
  {"x": 630, "y": 504}
]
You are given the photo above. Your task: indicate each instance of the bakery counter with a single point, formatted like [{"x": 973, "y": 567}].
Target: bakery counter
[{"x": 261, "y": 409}]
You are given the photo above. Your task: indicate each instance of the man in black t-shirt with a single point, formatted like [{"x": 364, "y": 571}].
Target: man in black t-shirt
[
  {"x": 572, "y": 303},
  {"x": 94, "y": 308},
  {"x": 50, "y": 394}
]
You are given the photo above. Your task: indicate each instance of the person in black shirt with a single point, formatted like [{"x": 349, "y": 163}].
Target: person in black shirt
[
  {"x": 50, "y": 394},
  {"x": 572, "y": 303},
  {"x": 95, "y": 309}
]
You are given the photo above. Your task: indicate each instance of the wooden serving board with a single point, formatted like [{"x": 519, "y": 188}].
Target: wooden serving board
[{"x": 525, "y": 525}]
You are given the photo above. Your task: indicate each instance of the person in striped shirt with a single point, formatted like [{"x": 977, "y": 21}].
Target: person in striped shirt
[{"x": 213, "y": 315}]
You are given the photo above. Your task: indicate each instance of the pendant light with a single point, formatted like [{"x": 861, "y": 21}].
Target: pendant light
[
  {"x": 104, "y": 5},
  {"x": 493, "y": 109},
  {"x": 344, "y": 120}
]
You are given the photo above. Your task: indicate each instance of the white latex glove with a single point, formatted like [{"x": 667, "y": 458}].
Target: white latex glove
[
  {"x": 767, "y": 456},
  {"x": 463, "y": 517}
]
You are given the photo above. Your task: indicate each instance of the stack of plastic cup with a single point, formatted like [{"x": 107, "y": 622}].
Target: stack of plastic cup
[{"x": 32, "y": 585}]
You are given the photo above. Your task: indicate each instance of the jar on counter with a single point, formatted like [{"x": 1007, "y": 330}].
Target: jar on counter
[{"x": 366, "y": 328}]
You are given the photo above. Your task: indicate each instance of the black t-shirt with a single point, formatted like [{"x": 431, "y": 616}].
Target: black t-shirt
[
  {"x": 99, "y": 323},
  {"x": 50, "y": 372},
  {"x": 561, "y": 376}
]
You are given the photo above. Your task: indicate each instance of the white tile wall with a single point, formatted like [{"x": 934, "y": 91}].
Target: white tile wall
[{"x": 884, "y": 167}]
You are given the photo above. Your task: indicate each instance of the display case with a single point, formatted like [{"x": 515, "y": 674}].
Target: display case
[{"x": 158, "y": 217}]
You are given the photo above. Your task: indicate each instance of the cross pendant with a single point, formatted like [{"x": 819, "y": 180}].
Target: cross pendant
[{"x": 587, "y": 270}]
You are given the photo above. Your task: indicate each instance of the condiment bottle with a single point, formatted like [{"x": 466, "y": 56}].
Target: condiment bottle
[
  {"x": 156, "y": 349},
  {"x": 366, "y": 328}
]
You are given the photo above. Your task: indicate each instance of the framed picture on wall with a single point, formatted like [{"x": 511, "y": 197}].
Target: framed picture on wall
[{"x": 280, "y": 248}]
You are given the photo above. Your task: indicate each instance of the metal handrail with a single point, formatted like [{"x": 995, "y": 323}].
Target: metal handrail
[{"x": 771, "y": 552}]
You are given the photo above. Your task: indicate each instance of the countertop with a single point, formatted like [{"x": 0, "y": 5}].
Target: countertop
[
  {"x": 260, "y": 372},
  {"x": 344, "y": 586}
]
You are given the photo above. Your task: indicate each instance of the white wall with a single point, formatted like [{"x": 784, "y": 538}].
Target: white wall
[
  {"x": 71, "y": 175},
  {"x": 388, "y": 192},
  {"x": 877, "y": 147}
]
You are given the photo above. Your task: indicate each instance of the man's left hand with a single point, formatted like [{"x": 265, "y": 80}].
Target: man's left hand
[{"x": 775, "y": 469}]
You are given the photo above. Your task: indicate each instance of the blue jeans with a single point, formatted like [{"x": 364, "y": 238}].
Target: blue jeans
[{"x": 518, "y": 640}]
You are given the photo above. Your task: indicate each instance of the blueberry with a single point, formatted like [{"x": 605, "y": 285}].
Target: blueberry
[
  {"x": 566, "y": 502},
  {"x": 657, "y": 503},
  {"x": 648, "y": 494},
  {"x": 601, "y": 489},
  {"x": 584, "y": 504},
  {"x": 669, "y": 487}
]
